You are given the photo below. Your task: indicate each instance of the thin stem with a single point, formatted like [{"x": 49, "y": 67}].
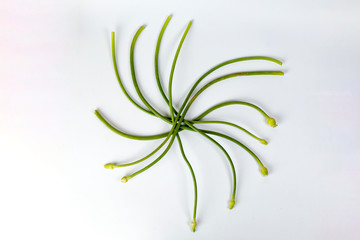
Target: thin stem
[
  {"x": 144, "y": 158},
  {"x": 221, "y": 79},
  {"x": 230, "y": 103},
  {"x": 155, "y": 161},
  {"x": 112, "y": 128},
  {"x": 118, "y": 76},
  {"x": 236, "y": 142},
  {"x": 174, "y": 130},
  {"x": 219, "y": 66},
  {"x": 192, "y": 174},
  {"x": 173, "y": 69},
  {"x": 156, "y": 60},
  {"x": 233, "y": 125},
  {"x": 222, "y": 149},
  {"x": 133, "y": 74}
]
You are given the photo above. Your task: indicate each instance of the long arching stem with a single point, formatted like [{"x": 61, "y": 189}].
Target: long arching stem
[
  {"x": 173, "y": 69},
  {"x": 220, "y": 105},
  {"x": 133, "y": 74},
  {"x": 193, "y": 178},
  {"x": 233, "y": 125},
  {"x": 226, "y": 154}
]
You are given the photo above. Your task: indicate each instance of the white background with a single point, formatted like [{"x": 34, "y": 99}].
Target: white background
[{"x": 56, "y": 69}]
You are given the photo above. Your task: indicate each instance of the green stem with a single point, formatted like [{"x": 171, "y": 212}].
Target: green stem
[
  {"x": 192, "y": 174},
  {"x": 118, "y": 76},
  {"x": 155, "y": 161},
  {"x": 133, "y": 74},
  {"x": 222, "y": 149},
  {"x": 112, "y": 128},
  {"x": 174, "y": 130},
  {"x": 173, "y": 69},
  {"x": 236, "y": 142},
  {"x": 233, "y": 125},
  {"x": 219, "y": 66},
  {"x": 238, "y": 74},
  {"x": 230, "y": 103},
  {"x": 221, "y": 79},
  {"x": 144, "y": 158},
  {"x": 156, "y": 60},
  {"x": 178, "y": 122}
]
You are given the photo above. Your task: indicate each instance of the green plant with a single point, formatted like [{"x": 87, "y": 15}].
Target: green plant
[{"x": 177, "y": 118}]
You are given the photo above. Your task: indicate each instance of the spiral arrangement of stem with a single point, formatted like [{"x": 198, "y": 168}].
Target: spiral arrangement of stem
[{"x": 177, "y": 118}]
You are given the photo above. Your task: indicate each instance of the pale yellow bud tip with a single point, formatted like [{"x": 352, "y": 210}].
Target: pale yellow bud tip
[
  {"x": 231, "y": 204},
  {"x": 125, "y": 179},
  {"x": 264, "y": 171},
  {"x": 272, "y": 122},
  {"x": 263, "y": 141},
  {"x": 109, "y": 166},
  {"x": 193, "y": 225}
]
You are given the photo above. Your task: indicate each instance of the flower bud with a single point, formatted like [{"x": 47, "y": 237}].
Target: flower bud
[
  {"x": 271, "y": 122},
  {"x": 264, "y": 171}
]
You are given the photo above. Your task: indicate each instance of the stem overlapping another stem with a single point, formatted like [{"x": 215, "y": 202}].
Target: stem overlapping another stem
[{"x": 177, "y": 118}]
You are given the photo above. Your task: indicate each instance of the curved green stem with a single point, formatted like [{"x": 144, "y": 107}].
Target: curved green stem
[
  {"x": 174, "y": 130},
  {"x": 231, "y": 103},
  {"x": 113, "y": 165},
  {"x": 193, "y": 177},
  {"x": 156, "y": 60},
  {"x": 219, "y": 66},
  {"x": 112, "y": 128},
  {"x": 133, "y": 74},
  {"x": 233, "y": 125},
  {"x": 221, "y": 79},
  {"x": 236, "y": 142},
  {"x": 155, "y": 161},
  {"x": 173, "y": 69},
  {"x": 118, "y": 76},
  {"x": 224, "y": 151}
]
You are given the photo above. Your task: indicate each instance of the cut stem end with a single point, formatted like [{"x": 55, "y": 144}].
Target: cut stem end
[
  {"x": 193, "y": 225},
  {"x": 231, "y": 204},
  {"x": 125, "y": 179},
  {"x": 264, "y": 171}
]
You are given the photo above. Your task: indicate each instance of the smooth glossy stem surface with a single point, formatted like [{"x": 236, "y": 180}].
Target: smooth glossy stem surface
[
  {"x": 222, "y": 149},
  {"x": 236, "y": 142},
  {"x": 192, "y": 174},
  {"x": 147, "y": 156},
  {"x": 230, "y": 103},
  {"x": 156, "y": 160},
  {"x": 173, "y": 69},
  {"x": 121, "y": 133},
  {"x": 119, "y": 79},
  {"x": 133, "y": 74},
  {"x": 156, "y": 60},
  {"x": 219, "y": 66},
  {"x": 174, "y": 130},
  {"x": 183, "y": 114},
  {"x": 230, "y": 124}
]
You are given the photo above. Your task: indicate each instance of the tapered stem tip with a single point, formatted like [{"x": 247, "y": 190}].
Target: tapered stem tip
[
  {"x": 125, "y": 179},
  {"x": 231, "y": 204},
  {"x": 109, "y": 166},
  {"x": 264, "y": 171},
  {"x": 271, "y": 122},
  {"x": 193, "y": 225},
  {"x": 263, "y": 141}
]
